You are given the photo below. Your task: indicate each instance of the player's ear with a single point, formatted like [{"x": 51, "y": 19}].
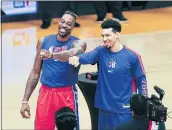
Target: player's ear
[{"x": 117, "y": 35}]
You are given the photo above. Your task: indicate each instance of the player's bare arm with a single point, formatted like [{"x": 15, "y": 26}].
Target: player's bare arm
[
  {"x": 32, "y": 82},
  {"x": 35, "y": 74},
  {"x": 78, "y": 47}
]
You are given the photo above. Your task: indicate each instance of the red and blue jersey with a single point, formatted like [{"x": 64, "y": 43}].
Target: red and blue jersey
[
  {"x": 56, "y": 73},
  {"x": 120, "y": 75}
]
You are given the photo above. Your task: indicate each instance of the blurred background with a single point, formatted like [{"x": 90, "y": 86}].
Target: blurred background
[{"x": 146, "y": 28}]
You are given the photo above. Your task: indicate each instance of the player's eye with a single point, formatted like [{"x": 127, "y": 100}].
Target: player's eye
[{"x": 69, "y": 24}]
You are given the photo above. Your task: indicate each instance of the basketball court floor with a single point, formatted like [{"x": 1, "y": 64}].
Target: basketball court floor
[{"x": 149, "y": 32}]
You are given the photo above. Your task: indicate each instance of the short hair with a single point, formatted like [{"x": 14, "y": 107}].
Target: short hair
[
  {"x": 138, "y": 104},
  {"x": 72, "y": 14},
  {"x": 65, "y": 119},
  {"x": 110, "y": 23}
]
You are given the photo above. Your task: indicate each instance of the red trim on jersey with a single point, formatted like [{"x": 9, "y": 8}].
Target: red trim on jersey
[
  {"x": 134, "y": 88},
  {"x": 139, "y": 57}
]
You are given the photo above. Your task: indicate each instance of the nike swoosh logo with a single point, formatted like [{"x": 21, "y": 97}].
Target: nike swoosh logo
[
  {"x": 126, "y": 106},
  {"x": 109, "y": 71}
]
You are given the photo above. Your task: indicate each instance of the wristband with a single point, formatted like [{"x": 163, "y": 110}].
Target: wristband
[{"x": 25, "y": 102}]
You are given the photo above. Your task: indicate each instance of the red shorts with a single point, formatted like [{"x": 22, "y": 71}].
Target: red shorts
[{"x": 49, "y": 101}]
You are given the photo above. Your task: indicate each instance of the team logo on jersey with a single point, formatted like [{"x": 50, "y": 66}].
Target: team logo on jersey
[
  {"x": 54, "y": 49},
  {"x": 112, "y": 65}
]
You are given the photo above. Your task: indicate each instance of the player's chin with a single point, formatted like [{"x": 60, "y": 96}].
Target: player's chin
[
  {"x": 106, "y": 45},
  {"x": 63, "y": 34}
]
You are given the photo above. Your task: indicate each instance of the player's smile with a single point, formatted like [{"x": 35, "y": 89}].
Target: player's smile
[
  {"x": 63, "y": 31},
  {"x": 106, "y": 43}
]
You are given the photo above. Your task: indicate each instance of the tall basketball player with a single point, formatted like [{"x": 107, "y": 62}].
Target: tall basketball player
[
  {"x": 58, "y": 77},
  {"x": 121, "y": 73}
]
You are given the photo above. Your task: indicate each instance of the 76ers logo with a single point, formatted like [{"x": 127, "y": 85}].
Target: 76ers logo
[
  {"x": 112, "y": 64},
  {"x": 54, "y": 49},
  {"x": 57, "y": 49}
]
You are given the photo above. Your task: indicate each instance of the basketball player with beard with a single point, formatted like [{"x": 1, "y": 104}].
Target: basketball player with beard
[
  {"x": 121, "y": 74},
  {"x": 58, "y": 77}
]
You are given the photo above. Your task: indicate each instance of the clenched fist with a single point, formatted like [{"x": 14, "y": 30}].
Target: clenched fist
[
  {"x": 45, "y": 54},
  {"x": 74, "y": 60},
  {"x": 25, "y": 111}
]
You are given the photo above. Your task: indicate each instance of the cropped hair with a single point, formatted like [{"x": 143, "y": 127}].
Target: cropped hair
[
  {"x": 110, "y": 23},
  {"x": 65, "y": 119},
  {"x": 72, "y": 14}
]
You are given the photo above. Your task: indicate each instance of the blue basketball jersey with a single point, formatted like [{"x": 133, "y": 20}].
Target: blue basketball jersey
[
  {"x": 56, "y": 73},
  {"x": 120, "y": 74}
]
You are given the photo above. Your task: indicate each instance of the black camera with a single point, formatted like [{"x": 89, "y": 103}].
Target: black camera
[{"x": 156, "y": 111}]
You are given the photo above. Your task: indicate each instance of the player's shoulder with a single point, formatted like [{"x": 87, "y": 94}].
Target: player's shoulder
[
  {"x": 42, "y": 39},
  {"x": 131, "y": 52},
  {"x": 75, "y": 41},
  {"x": 100, "y": 48},
  {"x": 75, "y": 38},
  {"x": 50, "y": 36}
]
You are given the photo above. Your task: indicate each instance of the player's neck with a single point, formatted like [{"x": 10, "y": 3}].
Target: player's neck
[
  {"x": 116, "y": 47},
  {"x": 62, "y": 39}
]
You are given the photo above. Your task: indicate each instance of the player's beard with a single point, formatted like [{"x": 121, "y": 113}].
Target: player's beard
[
  {"x": 65, "y": 35},
  {"x": 107, "y": 46}
]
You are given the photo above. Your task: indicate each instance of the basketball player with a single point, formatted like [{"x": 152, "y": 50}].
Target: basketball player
[
  {"x": 121, "y": 73},
  {"x": 58, "y": 78}
]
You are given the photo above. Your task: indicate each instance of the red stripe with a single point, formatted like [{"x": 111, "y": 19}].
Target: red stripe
[
  {"x": 134, "y": 89},
  {"x": 150, "y": 125},
  {"x": 139, "y": 57}
]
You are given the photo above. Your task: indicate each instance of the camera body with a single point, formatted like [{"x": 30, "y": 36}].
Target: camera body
[{"x": 156, "y": 111}]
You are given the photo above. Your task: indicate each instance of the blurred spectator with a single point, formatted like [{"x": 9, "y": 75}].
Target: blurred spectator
[
  {"x": 46, "y": 10},
  {"x": 115, "y": 8},
  {"x": 65, "y": 119}
]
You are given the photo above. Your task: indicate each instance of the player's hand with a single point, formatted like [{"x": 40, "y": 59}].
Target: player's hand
[
  {"x": 74, "y": 60},
  {"x": 25, "y": 110},
  {"x": 44, "y": 54}
]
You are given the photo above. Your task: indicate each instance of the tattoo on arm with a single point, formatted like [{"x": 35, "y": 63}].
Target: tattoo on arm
[
  {"x": 30, "y": 86},
  {"x": 78, "y": 47},
  {"x": 34, "y": 75}
]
